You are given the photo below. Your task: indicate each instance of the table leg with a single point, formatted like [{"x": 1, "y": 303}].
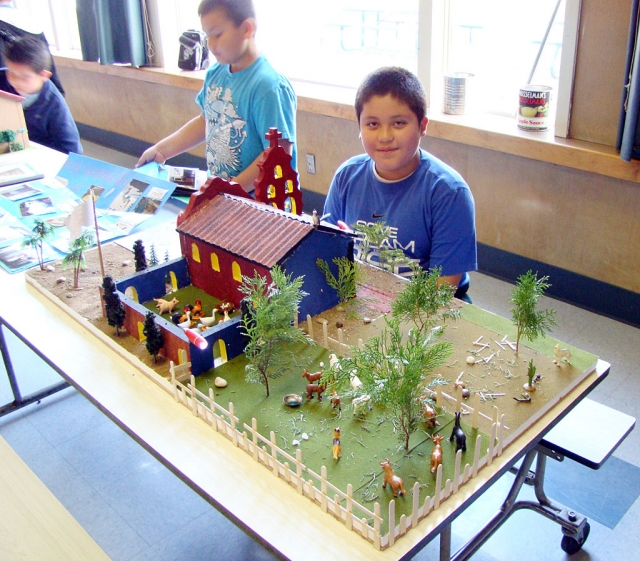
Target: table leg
[
  {"x": 475, "y": 543},
  {"x": 19, "y": 401},
  {"x": 445, "y": 543}
]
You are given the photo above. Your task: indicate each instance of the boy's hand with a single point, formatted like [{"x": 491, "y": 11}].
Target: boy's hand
[{"x": 151, "y": 155}]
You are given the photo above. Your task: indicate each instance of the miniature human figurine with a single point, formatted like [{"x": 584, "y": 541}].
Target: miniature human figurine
[
  {"x": 337, "y": 447},
  {"x": 392, "y": 479},
  {"x": 458, "y": 433},
  {"x": 436, "y": 454}
]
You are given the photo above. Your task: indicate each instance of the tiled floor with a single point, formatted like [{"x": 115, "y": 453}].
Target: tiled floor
[{"x": 137, "y": 510}]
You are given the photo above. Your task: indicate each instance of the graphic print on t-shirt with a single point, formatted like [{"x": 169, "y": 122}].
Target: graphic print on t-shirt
[
  {"x": 225, "y": 133},
  {"x": 373, "y": 257}
]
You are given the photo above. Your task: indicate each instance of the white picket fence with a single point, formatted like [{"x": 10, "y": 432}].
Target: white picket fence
[{"x": 317, "y": 487}]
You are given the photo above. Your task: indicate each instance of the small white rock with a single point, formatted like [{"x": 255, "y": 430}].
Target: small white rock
[
  {"x": 296, "y": 443},
  {"x": 366, "y": 320},
  {"x": 60, "y": 280},
  {"x": 50, "y": 268},
  {"x": 126, "y": 263},
  {"x": 304, "y": 436},
  {"x": 220, "y": 382},
  {"x": 471, "y": 360}
]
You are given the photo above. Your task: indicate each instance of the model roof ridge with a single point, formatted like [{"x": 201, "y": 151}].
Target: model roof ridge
[{"x": 268, "y": 208}]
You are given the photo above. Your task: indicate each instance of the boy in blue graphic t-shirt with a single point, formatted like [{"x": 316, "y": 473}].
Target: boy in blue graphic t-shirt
[
  {"x": 242, "y": 97},
  {"x": 426, "y": 203}
]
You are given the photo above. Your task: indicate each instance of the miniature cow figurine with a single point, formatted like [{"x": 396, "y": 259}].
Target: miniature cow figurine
[
  {"x": 436, "y": 454},
  {"x": 165, "y": 306},
  {"x": 337, "y": 447},
  {"x": 458, "y": 433},
  {"x": 311, "y": 378},
  {"x": 315, "y": 388},
  {"x": 392, "y": 479},
  {"x": 429, "y": 414}
]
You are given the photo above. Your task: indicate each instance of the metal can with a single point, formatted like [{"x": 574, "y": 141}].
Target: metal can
[
  {"x": 455, "y": 92},
  {"x": 533, "y": 108}
]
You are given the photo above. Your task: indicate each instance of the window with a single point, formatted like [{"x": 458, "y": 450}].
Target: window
[
  {"x": 215, "y": 263},
  {"x": 236, "y": 272},
  {"x": 57, "y": 18},
  {"x": 339, "y": 41},
  {"x": 195, "y": 253},
  {"x": 493, "y": 40},
  {"x": 503, "y": 48}
]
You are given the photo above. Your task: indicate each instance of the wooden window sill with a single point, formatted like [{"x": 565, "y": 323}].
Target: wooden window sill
[{"x": 489, "y": 132}]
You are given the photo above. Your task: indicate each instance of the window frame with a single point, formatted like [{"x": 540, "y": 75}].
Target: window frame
[{"x": 164, "y": 18}]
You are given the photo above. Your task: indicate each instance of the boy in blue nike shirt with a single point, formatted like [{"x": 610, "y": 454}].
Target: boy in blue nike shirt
[{"x": 426, "y": 203}]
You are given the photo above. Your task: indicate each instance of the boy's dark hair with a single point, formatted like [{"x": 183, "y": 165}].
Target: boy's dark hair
[
  {"x": 397, "y": 82},
  {"x": 30, "y": 51},
  {"x": 237, "y": 10}
]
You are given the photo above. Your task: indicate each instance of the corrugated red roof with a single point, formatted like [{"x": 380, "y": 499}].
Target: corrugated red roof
[{"x": 247, "y": 229}]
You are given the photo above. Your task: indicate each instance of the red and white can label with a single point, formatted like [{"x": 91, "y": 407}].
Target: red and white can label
[{"x": 533, "y": 108}]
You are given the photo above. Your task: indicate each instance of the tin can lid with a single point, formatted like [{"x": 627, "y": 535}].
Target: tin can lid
[{"x": 534, "y": 88}]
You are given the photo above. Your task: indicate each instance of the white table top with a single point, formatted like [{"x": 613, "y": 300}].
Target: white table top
[{"x": 224, "y": 475}]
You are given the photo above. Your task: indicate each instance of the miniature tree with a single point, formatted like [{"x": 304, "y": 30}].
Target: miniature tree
[
  {"x": 377, "y": 235},
  {"x": 9, "y": 137},
  {"x": 530, "y": 322},
  {"x": 166, "y": 255},
  {"x": 349, "y": 275},
  {"x": 268, "y": 323},
  {"x": 113, "y": 306},
  {"x": 394, "y": 371},
  {"x": 153, "y": 334},
  {"x": 153, "y": 257},
  {"x": 75, "y": 257},
  {"x": 39, "y": 233},
  {"x": 423, "y": 302},
  {"x": 139, "y": 256}
]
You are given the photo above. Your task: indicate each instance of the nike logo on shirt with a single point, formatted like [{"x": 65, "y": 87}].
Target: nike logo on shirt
[{"x": 376, "y": 215}]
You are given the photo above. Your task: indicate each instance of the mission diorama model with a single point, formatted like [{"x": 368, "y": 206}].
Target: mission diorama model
[{"x": 375, "y": 396}]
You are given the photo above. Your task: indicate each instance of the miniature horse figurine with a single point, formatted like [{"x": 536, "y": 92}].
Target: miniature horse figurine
[
  {"x": 337, "y": 447},
  {"x": 315, "y": 388},
  {"x": 436, "y": 454},
  {"x": 311, "y": 378},
  {"x": 392, "y": 479},
  {"x": 458, "y": 433}
]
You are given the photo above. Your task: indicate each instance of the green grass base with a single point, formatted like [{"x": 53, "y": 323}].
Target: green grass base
[{"x": 366, "y": 440}]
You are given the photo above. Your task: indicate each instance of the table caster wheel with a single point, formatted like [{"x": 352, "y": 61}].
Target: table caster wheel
[{"x": 571, "y": 545}]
